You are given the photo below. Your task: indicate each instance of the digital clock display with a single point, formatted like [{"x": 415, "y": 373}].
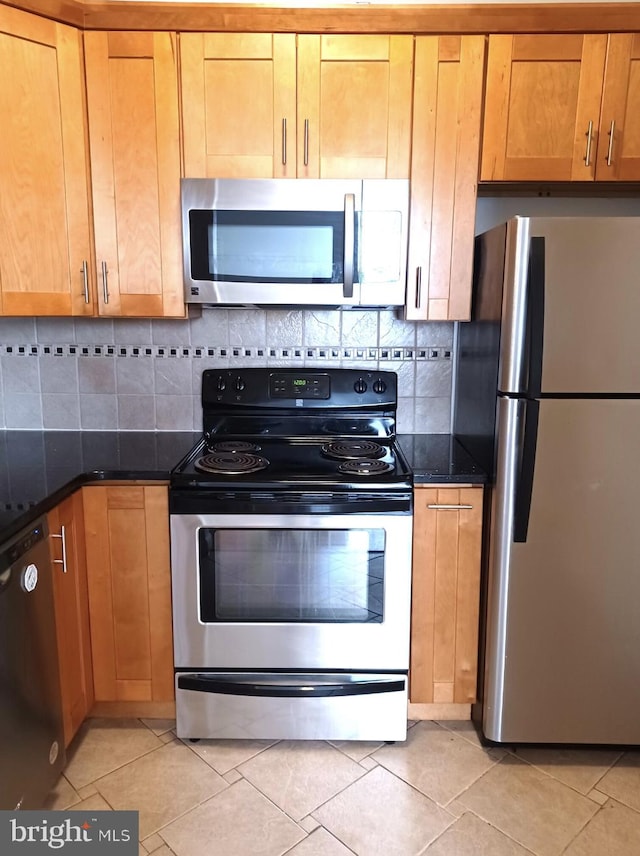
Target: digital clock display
[{"x": 313, "y": 386}]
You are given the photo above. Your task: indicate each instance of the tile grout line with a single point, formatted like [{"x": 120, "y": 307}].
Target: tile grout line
[
  {"x": 310, "y": 813},
  {"x": 514, "y": 754},
  {"x": 487, "y": 823},
  {"x": 583, "y": 827},
  {"x": 231, "y": 785},
  {"x": 121, "y": 766}
]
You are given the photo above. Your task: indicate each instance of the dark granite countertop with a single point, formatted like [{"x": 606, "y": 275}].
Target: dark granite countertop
[
  {"x": 439, "y": 459},
  {"x": 38, "y": 469}
]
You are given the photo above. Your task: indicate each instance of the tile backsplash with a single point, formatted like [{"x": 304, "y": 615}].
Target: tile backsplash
[{"x": 101, "y": 374}]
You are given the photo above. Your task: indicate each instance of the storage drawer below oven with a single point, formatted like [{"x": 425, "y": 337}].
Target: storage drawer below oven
[{"x": 291, "y": 706}]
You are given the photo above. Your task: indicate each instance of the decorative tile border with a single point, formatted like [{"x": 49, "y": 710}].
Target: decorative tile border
[{"x": 294, "y": 354}]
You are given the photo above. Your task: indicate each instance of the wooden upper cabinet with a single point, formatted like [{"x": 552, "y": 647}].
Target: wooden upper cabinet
[
  {"x": 354, "y": 106},
  {"x": 619, "y": 144},
  {"x": 44, "y": 212},
  {"x": 238, "y": 104},
  {"x": 132, "y": 95},
  {"x": 267, "y": 105},
  {"x": 552, "y": 103},
  {"x": 447, "y": 106}
]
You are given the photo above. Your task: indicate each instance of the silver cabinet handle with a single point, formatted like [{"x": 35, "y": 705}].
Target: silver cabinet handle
[
  {"x": 105, "y": 284},
  {"x": 284, "y": 142},
  {"x": 444, "y": 507},
  {"x": 610, "y": 149},
  {"x": 589, "y": 136},
  {"x": 84, "y": 270},
  {"x": 63, "y": 560},
  {"x": 418, "y": 286},
  {"x": 349, "y": 243},
  {"x": 306, "y": 142}
]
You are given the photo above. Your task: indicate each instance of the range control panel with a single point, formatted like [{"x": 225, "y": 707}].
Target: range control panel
[
  {"x": 301, "y": 385},
  {"x": 286, "y": 388}
]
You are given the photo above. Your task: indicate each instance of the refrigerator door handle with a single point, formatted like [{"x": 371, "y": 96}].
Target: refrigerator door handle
[
  {"x": 535, "y": 316},
  {"x": 526, "y": 469}
]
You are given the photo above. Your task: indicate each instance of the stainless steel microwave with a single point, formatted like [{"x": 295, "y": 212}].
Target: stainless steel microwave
[{"x": 295, "y": 242}]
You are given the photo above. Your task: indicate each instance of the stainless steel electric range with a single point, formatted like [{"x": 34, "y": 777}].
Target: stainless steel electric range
[{"x": 291, "y": 525}]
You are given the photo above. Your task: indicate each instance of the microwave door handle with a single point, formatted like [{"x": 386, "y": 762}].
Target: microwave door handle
[{"x": 349, "y": 242}]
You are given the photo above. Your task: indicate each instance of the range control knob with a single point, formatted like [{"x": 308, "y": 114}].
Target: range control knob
[
  {"x": 379, "y": 386},
  {"x": 360, "y": 386},
  {"x": 221, "y": 384},
  {"x": 239, "y": 384}
]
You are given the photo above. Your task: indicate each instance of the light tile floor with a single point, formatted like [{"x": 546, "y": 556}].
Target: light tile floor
[{"x": 441, "y": 794}]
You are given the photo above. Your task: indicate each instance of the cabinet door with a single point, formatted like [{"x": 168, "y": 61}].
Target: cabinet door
[
  {"x": 238, "y": 104},
  {"x": 127, "y": 532},
  {"x": 618, "y": 157},
  {"x": 542, "y": 107},
  {"x": 354, "y": 106},
  {"x": 44, "y": 206},
  {"x": 67, "y": 547},
  {"x": 447, "y": 537},
  {"x": 132, "y": 92},
  {"x": 444, "y": 166}
]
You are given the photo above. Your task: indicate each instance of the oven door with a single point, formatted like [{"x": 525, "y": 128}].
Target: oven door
[{"x": 291, "y": 592}]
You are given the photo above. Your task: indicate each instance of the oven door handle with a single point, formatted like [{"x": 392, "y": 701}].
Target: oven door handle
[{"x": 288, "y": 689}]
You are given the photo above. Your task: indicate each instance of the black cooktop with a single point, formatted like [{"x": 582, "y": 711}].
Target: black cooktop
[
  {"x": 303, "y": 428},
  {"x": 298, "y": 463}
]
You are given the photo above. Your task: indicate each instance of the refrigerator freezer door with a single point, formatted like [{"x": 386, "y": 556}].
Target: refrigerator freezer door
[
  {"x": 513, "y": 362},
  {"x": 591, "y": 302},
  {"x": 563, "y": 637}
]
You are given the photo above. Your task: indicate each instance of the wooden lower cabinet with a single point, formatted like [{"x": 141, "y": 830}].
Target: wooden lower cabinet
[
  {"x": 127, "y": 536},
  {"x": 67, "y": 548},
  {"x": 447, "y": 538}
]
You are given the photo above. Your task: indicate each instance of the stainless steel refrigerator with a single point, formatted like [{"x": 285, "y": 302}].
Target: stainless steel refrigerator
[{"x": 547, "y": 396}]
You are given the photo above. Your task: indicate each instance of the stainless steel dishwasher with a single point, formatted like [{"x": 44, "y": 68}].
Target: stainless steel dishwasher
[{"x": 31, "y": 734}]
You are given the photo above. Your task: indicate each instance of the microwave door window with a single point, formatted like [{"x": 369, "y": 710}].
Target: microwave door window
[
  {"x": 267, "y": 253},
  {"x": 267, "y": 246}
]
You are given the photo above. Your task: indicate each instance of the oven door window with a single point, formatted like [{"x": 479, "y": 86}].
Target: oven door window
[
  {"x": 268, "y": 246},
  {"x": 293, "y": 575}
]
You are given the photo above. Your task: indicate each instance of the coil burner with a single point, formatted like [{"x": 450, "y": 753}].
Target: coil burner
[
  {"x": 231, "y": 463},
  {"x": 345, "y": 450},
  {"x": 365, "y": 467},
  {"x": 237, "y": 446}
]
